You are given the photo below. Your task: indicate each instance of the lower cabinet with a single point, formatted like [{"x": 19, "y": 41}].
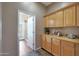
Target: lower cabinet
[
  {"x": 77, "y": 50},
  {"x": 48, "y": 43},
  {"x": 56, "y": 47},
  {"x": 67, "y": 48},
  {"x": 43, "y": 42},
  {"x": 59, "y": 47}
]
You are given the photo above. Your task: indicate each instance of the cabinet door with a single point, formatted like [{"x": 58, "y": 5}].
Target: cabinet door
[
  {"x": 48, "y": 43},
  {"x": 43, "y": 42},
  {"x": 77, "y": 14},
  {"x": 69, "y": 16},
  {"x": 67, "y": 51},
  {"x": 52, "y": 20},
  {"x": 67, "y": 48},
  {"x": 56, "y": 47},
  {"x": 77, "y": 50},
  {"x": 46, "y": 21},
  {"x": 60, "y": 18}
]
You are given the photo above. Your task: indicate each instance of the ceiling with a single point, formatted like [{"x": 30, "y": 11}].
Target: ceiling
[{"x": 46, "y": 3}]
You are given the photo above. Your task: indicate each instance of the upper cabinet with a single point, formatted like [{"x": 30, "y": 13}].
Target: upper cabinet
[
  {"x": 50, "y": 21},
  {"x": 46, "y": 21},
  {"x": 69, "y": 16},
  {"x": 59, "y": 19},
  {"x": 55, "y": 20},
  {"x": 77, "y": 14}
]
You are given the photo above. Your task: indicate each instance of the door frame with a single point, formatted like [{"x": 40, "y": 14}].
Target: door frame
[{"x": 34, "y": 36}]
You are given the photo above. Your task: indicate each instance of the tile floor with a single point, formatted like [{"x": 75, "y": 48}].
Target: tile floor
[{"x": 26, "y": 51}]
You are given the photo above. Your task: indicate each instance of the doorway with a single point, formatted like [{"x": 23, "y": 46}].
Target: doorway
[{"x": 26, "y": 33}]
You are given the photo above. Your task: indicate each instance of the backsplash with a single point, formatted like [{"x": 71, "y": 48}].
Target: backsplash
[
  {"x": 73, "y": 30},
  {"x": 56, "y": 30},
  {"x": 66, "y": 30}
]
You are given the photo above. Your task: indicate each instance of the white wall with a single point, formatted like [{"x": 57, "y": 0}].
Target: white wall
[
  {"x": 0, "y": 28},
  {"x": 10, "y": 23}
]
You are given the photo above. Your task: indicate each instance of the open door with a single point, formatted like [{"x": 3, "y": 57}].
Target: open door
[
  {"x": 31, "y": 32},
  {"x": 26, "y": 33}
]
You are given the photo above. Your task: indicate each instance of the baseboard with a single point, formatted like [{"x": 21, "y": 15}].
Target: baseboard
[{"x": 37, "y": 48}]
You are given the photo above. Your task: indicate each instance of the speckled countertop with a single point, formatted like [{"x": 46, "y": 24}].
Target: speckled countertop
[{"x": 64, "y": 38}]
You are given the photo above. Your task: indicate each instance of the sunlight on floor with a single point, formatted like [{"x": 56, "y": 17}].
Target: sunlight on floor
[{"x": 23, "y": 48}]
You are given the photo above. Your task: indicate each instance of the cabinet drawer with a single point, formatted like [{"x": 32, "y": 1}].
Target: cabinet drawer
[{"x": 66, "y": 43}]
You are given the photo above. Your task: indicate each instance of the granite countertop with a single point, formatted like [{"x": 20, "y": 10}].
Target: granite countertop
[{"x": 64, "y": 38}]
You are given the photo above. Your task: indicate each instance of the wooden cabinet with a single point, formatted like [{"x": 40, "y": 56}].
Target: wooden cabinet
[
  {"x": 67, "y": 48},
  {"x": 77, "y": 50},
  {"x": 60, "y": 18},
  {"x": 53, "y": 20},
  {"x": 46, "y": 21},
  {"x": 77, "y": 15},
  {"x": 48, "y": 43},
  {"x": 69, "y": 16},
  {"x": 50, "y": 21},
  {"x": 43, "y": 41},
  {"x": 56, "y": 47},
  {"x": 59, "y": 47}
]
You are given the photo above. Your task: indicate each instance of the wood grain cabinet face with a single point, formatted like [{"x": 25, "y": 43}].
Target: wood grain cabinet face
[
  {"x": 56, "y": 47},
  {"x": 69, "y": 16},
  {"x": 77, "y": 50},
  {"x": 46, "y": 21},
  {"x": 43, "y": 42},
  {"x": 50, "y": 21},
  {"x": 48, "y": 43},
  {"x": 53, "y": 20},
  {"x": 67, "y": 48},
  {"x": 60, "y": 18},
  {"x": 77, "y": 14}
]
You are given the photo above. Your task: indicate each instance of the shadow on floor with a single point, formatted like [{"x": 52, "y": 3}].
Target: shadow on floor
[{"x": 26, "y": 51}]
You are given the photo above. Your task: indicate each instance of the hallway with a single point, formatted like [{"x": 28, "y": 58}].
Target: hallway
[{"x": 26, "y": 51}]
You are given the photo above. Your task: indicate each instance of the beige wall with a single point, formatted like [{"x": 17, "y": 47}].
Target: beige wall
[
  {"x": 10, "y": 22},
  {"x": 56, "y": 6},
  {"x": 0, "y": 28},
  {"x": 9, "y": 36}
]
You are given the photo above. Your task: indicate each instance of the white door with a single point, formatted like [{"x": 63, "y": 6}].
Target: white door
[{"x": 31, "y": 32}]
